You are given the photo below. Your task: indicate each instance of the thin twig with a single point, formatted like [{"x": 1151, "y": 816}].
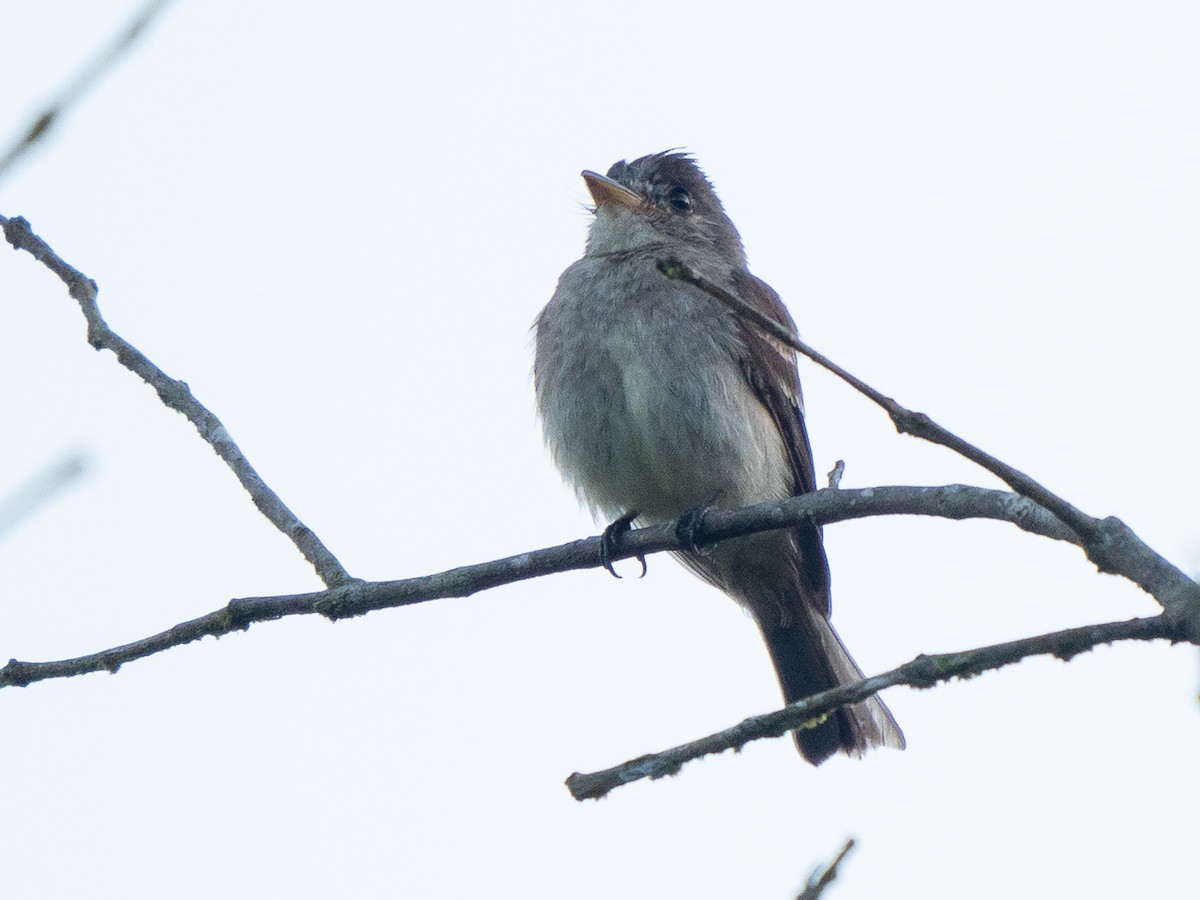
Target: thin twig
[
  {"x": 922, "y": 672},
  {"x": 356, "y": 598},
  {"x": 1104, "y": 540},
  {"x": 177, "y": 396},
  {"x": 905, "y": 420},
  {"x": 836, "y": 473},
  {"x": 87, "y": 78},
  {"x": 1125, "y": 555},
  {"x": 39, "y": 489},
  {"x": 823, "y": 876}
]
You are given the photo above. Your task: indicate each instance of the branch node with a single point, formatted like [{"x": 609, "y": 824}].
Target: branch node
[
  {"x": 237, "y": 617},
  {"x": 924, "y": 671},
  {"x": 16, "y": 673},
  {"x": 836, "y": 473},
  {"x": 340, "y": 601}
]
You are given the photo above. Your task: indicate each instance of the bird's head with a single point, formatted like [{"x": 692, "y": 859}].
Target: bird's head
[{"x": 663, "y": 198}]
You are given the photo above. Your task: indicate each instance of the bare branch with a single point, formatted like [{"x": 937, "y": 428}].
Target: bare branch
[
  {"x": 39, "y": 489},
  {"x": 1109, "y": 543},
  {"x": 836, "y": 473},
  {"x": 1103, "y": 539},
  {"x": 922, "y": 672},
  {"x": 905, "y": 420},
  {"x": 823, "y": 876},
  {"x": 86, "y": 79},
  {"x": 355, "y": 598},
  {"x": 177, "y": 396}
]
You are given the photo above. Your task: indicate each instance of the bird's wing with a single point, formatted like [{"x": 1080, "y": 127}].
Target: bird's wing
[{"x": 770, "y": 368}]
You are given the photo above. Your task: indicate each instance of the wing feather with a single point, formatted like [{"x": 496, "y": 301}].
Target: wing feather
[{"x": 770, "y": 368}]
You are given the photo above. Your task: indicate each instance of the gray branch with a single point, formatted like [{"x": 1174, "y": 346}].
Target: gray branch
[
  {"x": 922, "y": 672},
  {"x": 39, "y": 489},
  {"x": 356, "y": 598},
  {"x": 823, "y": 876},
  {"x": 176, "y": 395},
  {"x": 1109, "y": 543},
  {"x": 86, "y": 79}
]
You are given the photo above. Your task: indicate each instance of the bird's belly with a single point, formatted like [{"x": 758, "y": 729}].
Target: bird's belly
[
  {"x": 643, "y": 399},
  {"x": 687, "y": 432}
]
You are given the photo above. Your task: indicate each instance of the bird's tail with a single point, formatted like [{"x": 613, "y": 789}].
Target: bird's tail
[{"x": 809, "y": 657}]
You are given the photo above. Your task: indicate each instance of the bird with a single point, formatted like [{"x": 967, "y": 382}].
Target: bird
[{"x": 657, "y": 401}]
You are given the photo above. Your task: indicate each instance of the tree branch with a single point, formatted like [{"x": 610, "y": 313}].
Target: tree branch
[
  {"x": 1108, "y": 543},
  {"x": 86, "y": 79},
  {"x": 177, "y": 396},
  {"x": 823, "y": 876},
  {"x": 29, "y": 496},
  {"x": 922, "y": 672},
  {"x": 1104, "y": 540},
  {"x": 355, "y": 598}
]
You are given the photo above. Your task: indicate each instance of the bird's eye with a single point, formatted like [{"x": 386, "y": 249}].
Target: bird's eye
[{"x": 679, "y": 199}]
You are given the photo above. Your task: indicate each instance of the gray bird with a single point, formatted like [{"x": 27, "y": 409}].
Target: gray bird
[{"x": 656, "y": 398}]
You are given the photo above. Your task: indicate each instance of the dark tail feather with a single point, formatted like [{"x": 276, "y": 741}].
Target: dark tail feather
[{"x": 809, "y": 657}]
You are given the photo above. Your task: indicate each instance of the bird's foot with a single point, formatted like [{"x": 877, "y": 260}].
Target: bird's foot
[
  {"x": 608, "y": 542},
  {"x": 691, "y": 523}
]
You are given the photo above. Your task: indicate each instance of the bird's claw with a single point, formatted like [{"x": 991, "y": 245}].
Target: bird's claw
[{"x": 608, "y": 543}]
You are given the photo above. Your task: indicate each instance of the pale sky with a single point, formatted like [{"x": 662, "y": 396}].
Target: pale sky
[{"x": 337, "y": 228}]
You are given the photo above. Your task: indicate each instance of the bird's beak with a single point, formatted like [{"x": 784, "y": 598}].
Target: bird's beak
[{"x": 607, "y": 192}]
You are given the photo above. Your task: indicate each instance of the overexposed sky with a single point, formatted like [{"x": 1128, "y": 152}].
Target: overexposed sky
[{"x": 337, "y": 227}]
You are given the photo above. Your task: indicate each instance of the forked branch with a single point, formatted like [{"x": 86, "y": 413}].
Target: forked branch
[{"x": 1108, "y": 542}]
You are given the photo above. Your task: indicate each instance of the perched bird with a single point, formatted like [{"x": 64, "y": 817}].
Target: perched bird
[{"x": 657, "y": 399}]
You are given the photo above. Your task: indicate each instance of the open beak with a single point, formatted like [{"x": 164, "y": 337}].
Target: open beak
[{"x": 607, "y": 192}]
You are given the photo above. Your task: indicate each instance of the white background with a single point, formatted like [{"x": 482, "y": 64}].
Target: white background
[{"x": 337, "y": 227}]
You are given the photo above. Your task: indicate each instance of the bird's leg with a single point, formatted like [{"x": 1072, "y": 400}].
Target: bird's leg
[
  {"x": 608, "y": 542},
  {"x": 691, "y": 523}
]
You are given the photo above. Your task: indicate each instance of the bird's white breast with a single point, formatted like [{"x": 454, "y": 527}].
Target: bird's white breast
[{"x": 643, "y": 402}]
